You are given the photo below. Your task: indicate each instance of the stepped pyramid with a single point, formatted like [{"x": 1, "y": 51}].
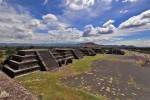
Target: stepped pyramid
[
  {"x": 24, "y": 62},
  {"x": 27, "y": 61}
]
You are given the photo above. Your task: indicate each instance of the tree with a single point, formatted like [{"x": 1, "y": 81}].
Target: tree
[{"x": 10, "y": 52}]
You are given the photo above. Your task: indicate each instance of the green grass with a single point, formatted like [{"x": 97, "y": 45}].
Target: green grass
[
  {"x": 84, "y": 65},
  {"x": 4, "y": 56},
  {"x": 49, "y": 87}
]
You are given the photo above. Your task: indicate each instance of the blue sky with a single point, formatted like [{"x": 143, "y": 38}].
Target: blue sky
[{"x": 121, "y": 22}]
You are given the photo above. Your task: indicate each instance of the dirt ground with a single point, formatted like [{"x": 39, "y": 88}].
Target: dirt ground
[{"x": 116, "y": 80}]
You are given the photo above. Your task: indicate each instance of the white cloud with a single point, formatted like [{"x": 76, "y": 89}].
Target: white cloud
[
  {"x": 129, "y": 0},
  {"x": 45, "y": 2},
  {"x": 79, "y": 4},
  {"x": 136, "y": 42},
  {"x": 124, "y": 11},
  {"x": 13, "y": 23},
  {"x": 107, "y": 28},
  {"x": 141, "y": 21},
  {"x": 108, "y": 23},
  {"x": 36, "y": 24},
  {"x": 49, "y": 18},
  {"x": 20, "y": 27},
  {"x": 59, "y": 36},
  {"x": 79, "y": 9},
  {"x": 53, "y": 21},
  {"x": 1, "y": 1}
]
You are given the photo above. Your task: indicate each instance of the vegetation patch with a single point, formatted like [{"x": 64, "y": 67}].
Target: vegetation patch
[
  {"x": 84, "y": 65},
  {"x": 3, "y": 56},
  {"x": 48, "y": 86},
  {"x": 141, "y": 62}
]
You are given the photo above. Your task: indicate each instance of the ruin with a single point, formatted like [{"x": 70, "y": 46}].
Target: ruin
[
  {"x": 27, "y": 61},
  {"x": 87, "y": 52}
]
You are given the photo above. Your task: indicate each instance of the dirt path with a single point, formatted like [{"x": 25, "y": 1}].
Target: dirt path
[{"x": 114, "y": 79}]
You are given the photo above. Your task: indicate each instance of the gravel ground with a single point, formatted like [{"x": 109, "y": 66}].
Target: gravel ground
[
  {"x": 10, "y": 90},
  {"x": 115, "y": 80}
]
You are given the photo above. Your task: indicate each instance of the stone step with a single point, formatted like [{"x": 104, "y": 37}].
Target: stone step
[
  {"x": 48, "y": 59},
  {"x": 24, "y": 58},
  {"x": 69, "y": 57},
  {"x": 26, "y": 52},
  {"x": 77, "y": 54},
  {"x": 13, "y": 73},
  {"x": 21, "y": 65},
  {"x": 58, "y": 57}
]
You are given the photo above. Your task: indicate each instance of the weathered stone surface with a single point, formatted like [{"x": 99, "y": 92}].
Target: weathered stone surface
[
  {"x": 11, "y": 90},
  {"x": 4, "y": 95}
]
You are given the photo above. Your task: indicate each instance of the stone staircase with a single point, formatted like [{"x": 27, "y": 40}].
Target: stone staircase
[
  {"x": 77, "y": 54},
  {"x": 22, "y": 63},
  {"x": 48, "y": 60},
  {"x": 66, "y": 54},
  {"x": 57, "y": 57},
  {"x": 87, "y": 52}
]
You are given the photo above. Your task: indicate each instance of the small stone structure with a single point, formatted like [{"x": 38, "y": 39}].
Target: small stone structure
[
  {"x": 27, "y": 61},
  {"x": 115, "y": 51},
  {"x": 87, "y": 52}
]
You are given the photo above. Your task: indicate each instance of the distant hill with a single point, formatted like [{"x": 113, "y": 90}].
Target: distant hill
[
  {"x": 119, "y": 46},
  {"x": 93, "y": 45},
  {"x": 88, "y": 45}
]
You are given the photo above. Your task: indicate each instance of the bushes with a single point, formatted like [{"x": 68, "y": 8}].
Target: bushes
[
  {"x": 1, "y": 54},
  {"x": 1, "y": 66},
  {"x": 10, "y": 52}
]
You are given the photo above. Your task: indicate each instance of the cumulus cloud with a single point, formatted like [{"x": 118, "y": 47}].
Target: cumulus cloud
[
  {"x": 49, "y": 18},
  {"x": 20, "y": 27},
  {"x": 124, "y": 11},
  {"x": 108, "y": 23},
  {"x": 45, "y": 2},
  {"x": 135, "y": 42},
  {"x": 78, "y": 9},
  {"x": 107, "y": 28},
  {"x": 61, "y": 36},
  {"x": 1, "y": 1},
  {"x": 79, "y": 4},
  {"x": 36, "y": 24},
  {"x": 139, "y": 21},
  {"x": 53, "y": 21},
  {"x": 13, "y": 23},
  {"x": 129, "y": 1}
]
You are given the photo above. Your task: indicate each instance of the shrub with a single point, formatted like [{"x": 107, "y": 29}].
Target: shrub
[
  {"x": 1, "y": 66},
  {"x": 1, "y": 55},
  {"x": 10, "y": 52}
]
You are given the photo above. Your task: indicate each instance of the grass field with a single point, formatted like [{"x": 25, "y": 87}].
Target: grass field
[
  {"x": 4, "y": 56},
  {"x": 48, "y": 85}
]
